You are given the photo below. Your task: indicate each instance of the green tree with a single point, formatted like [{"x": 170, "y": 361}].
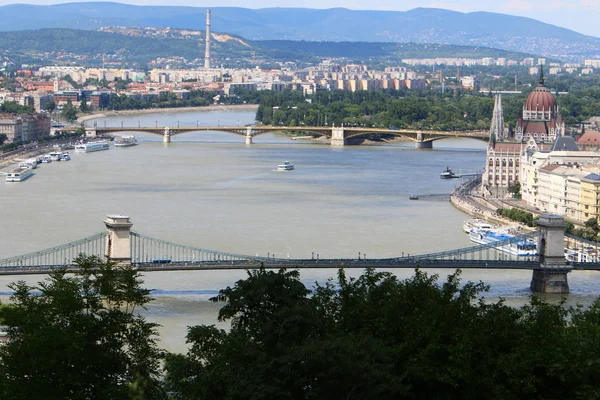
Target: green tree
[
  {"x": 79, "y": 336},
  {"x": 3, "y": 138},
  {"x": 375, "y": 337},
  {"x": 69, "y": 112},
  {"x": 515, "y": 189},
  {"x": 83, "y": 106},
  {"x": 49, "y": 106}
]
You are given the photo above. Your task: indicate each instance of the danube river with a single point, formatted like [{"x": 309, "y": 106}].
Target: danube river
[{"x": 211, "y": 190}]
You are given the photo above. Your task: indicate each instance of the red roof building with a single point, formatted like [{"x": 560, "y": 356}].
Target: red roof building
[{"x": 589, "y": 141}]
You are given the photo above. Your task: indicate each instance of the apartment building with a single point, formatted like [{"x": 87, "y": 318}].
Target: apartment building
[{"x": 21, "y": 128}]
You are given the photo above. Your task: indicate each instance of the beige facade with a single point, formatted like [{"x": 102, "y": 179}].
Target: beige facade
[
  {"x": 589, "y": 197},
  {"x": 18, "y": 128},
  {"x": 565, "y": 183},
  {"x": 12, "y": 127}
]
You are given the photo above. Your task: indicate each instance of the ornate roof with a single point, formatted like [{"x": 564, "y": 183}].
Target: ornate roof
[{"x": 540, "y": 98}]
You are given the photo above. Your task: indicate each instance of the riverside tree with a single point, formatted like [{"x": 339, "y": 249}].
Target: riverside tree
[
  {"x": 79, "y": 336},
  {"x": 375, "y": 337}
]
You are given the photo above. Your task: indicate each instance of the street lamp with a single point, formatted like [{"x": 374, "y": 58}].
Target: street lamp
[
  {"x": 178, "y": 124},
  {"x": 156, "y": 122}
]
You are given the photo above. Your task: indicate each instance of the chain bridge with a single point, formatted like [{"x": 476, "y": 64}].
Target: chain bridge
[
  {"x": 557, "y": 255},
  {"x": 339, "y": 135}
]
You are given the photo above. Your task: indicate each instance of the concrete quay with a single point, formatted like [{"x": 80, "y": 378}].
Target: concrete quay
[{"x": 466, "y": 198}]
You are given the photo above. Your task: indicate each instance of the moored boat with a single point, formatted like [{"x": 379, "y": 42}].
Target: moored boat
[
  {"x": 477, "y": 224},
  {"x": 125, "y": 141},
  {"x": 55, "y": 155},
  {"x": 91, "y": 146},
  {"x": 286, "y": 166},
  {"x": 19, "y": 174},
  {"x": 448, "y": 174},
  {"x": 31, "y": 163},
  {"x": 521, "y": 248}
]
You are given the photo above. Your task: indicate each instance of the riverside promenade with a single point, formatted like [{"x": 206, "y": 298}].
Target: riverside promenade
[{"x": 466, "y": 197}]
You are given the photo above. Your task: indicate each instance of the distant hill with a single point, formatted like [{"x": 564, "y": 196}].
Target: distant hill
[
  {"x": 421, "y": 25},
  {"x": 138, "y": 47}
]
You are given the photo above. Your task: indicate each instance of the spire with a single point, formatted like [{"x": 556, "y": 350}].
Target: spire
[
  {"x": 541, "y": 81},
  {"x": 497, "y": 125}
]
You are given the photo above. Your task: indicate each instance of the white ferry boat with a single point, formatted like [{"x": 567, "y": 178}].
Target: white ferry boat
[
  {"x": 91, "y": 146},
  {"x": 448, "y": 174},
  {"x": 55, "y": 155},
  {"x": 522, "y": 248},
  {"x": 19, "y": 174},
  {"x": 31, "y": 163},
  {"x": 286, "y": 166},
  {"x": 125, "y": 141},
  {"x": 477, "y": 224}
]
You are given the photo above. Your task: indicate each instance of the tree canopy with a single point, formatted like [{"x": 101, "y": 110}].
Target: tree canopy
[
  {"x": 79, "y": 337},
  {"x": 376, "y": 337}
]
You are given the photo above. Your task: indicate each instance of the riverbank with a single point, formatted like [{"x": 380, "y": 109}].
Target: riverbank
[
  {"x": 466, "y": 198},
  {"x": 10, "y": 160},
  {"x": 111, "y": 113}
]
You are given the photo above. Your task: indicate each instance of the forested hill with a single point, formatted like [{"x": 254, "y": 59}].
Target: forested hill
[
  {"x": 89, "y": 48},
  {"x": 421, "y": 25}
]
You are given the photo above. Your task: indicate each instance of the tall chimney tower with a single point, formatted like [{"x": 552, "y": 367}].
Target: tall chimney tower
[{"x": 207, "y": 50}]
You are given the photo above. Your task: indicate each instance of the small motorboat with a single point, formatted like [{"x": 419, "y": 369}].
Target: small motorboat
[{"x": 286, "y": 166}]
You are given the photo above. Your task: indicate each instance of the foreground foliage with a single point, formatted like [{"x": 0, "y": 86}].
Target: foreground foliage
[
  {"x": 78, "y": 336},
  {"x": 375, "y": 337}
]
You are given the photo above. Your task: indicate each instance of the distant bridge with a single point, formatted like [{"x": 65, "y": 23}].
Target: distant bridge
[
  {"x": 339, "y": 135},
  {"x": 119, "y": 244}
]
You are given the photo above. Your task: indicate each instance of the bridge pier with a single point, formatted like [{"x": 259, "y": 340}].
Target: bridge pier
[
  {"x": 551, "y": 276},
  {"x": 337, "y": 136},
  {"x": 167, "y": 135},
  {"x": 248, "y": 135},
  {"x": 118, "y": 241},
  {"x": 90, "y": 132},
  {"x": 424, "y": 145},
  {"x": 421, "y": 143}
]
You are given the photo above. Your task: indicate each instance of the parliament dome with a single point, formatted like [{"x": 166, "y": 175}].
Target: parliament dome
[
  {"x": 540, "y": 104},
  {"x": 540, "y": 99}
]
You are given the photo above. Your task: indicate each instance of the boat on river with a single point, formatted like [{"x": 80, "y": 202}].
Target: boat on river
[
  {"x": 521, "y": 248},
  {"x": 55, "y": 155},
  {"x": 19, "y": 174},
  {"x": 125, "y": 141},
  {"x": 477, "y": 224},
  {"x": 448, "y": 174},
  {"x": 91, "y": 147},
  {"x": 286, "y": 166}
]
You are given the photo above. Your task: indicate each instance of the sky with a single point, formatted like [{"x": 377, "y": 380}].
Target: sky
[{"x": 579, "y": 15}]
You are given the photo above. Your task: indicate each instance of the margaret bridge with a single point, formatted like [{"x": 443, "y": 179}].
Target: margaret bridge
[
  {"x": 339, "y": 135},
  {"x": 120, "y": 244}
]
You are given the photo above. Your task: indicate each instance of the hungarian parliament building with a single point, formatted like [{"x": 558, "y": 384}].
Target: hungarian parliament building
[{"x": 556, "y": 173}]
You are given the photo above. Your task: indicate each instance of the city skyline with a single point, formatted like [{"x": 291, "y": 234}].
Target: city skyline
[{"x": 577, "y": 15}]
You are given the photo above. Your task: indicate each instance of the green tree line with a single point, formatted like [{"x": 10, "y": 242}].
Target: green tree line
[
  {"x": 422, "y": 109},
  {"x": 79, "y": 336},
  {"x": 419, "y": 109}
]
